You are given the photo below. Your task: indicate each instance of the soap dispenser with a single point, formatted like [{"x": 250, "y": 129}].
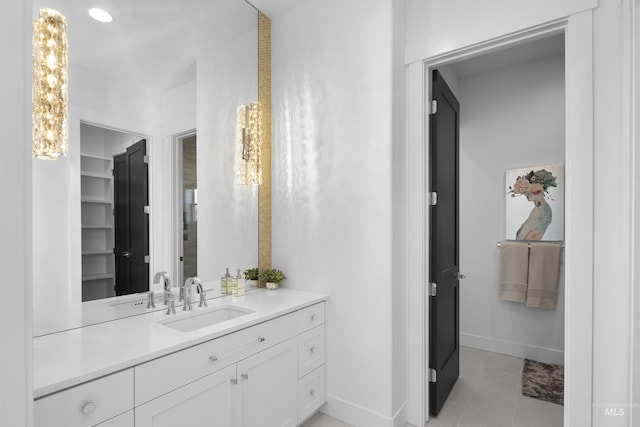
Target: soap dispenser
[
  {"x": 238, "y": 286},
  {"x": 226, "y": 287}
]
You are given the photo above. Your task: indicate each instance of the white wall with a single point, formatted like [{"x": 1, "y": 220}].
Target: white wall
[
  {"x": 436, "y": 27},
  {"x": 98, "y": 99},
  {"x": 333, "y": 76},
  {"x": 612, "y": 231},
  {"x": 179, "y": 109},
  {"x": 227, "y": 233},
  {"x": 179, "y": 115},
  {"x": 15, "y": 216},
  {"x": 612, "y": 178},
  {"x": 510, "y": 118},
  {"x": 399, "y": 218}
]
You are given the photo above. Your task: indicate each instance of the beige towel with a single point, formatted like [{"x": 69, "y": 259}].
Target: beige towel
[
  {"x": 544, "y": 270},
  {"x": 514, "y": 266}
]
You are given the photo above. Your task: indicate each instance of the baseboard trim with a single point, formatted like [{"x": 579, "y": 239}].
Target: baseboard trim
[
  {"x": 359, "y": 416},
  {"x": 541, "y": 354}
]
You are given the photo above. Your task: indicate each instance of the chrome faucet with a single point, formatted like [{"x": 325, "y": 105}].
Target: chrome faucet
[
  {"x": 186, "y": 291},
  {"x": 167, "y": 284}
]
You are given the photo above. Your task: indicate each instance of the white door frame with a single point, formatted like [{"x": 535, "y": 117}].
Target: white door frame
[
  {"x": 578, "y": 343},
  {"x": 177, "y": 241}
]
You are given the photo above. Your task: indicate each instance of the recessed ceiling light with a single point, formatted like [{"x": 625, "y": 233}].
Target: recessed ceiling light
[{"x": 100, "y": 15}]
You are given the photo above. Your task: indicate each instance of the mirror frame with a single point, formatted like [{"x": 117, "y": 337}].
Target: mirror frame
[{"x": 264, "y": 96}]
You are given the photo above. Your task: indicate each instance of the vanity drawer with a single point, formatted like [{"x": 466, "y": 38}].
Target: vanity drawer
[
  {"x": 310, "y": 350},
  {"x": 311, "y": 393},
  {"x": 310, "y": 317},
  {"x": 87, "y": 404},
  {"x": 122, "y": 420},
  {"x": 170, "y": 372}
]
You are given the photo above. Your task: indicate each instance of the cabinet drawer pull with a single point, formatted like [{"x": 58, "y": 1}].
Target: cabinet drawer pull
[
  {"x": 88, "y": 408},
  {"x": 241, "y": 348},
  {"x": 234, "y": 381},
  {"x": 312, "y": 350},
  {"x": 313, "y": 317},
  {"x": 213, "y": 358},
  {"x": 245, "y": 376},
  {"x": 312, "y": 392}
]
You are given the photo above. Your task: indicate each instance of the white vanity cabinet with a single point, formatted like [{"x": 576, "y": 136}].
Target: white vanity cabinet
[
  {"x": 250, "y": 378},
  {"x": 311, "y": 360},
  {"x": 270, "y": 374},
  {"x": 207, "y": 401},
  {"x": 258, "y": 391},
  {"x": 105, "y": 402},
  {"x": 267, "y": 387}
]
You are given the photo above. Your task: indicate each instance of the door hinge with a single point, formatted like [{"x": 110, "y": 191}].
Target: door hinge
[
  {"x": 433, "y": 198},
  {"x": 432, "y": 289},
  {"x": 433, "y": 376},
  {"x": 147, "y": 259},
  {"x": 146, "y": 159},
  {"x": 434, "y": 107},
  {"x": 147, "y": 210}
]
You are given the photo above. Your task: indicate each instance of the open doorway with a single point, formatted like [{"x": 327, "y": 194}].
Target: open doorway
[
  {"x": 512, "y": 115},
  {"x": 186, "y": 187}
]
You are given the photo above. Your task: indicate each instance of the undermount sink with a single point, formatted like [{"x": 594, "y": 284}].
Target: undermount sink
[{"x": 203, "y": 318}]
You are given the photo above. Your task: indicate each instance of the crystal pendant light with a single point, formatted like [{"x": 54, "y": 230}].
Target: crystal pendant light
[{"x": 50, "y": 110}]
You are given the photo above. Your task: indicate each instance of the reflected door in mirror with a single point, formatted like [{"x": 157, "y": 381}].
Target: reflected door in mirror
[{"x": 131, "y": 219}]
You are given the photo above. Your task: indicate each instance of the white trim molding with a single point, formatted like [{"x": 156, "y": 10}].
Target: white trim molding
[{"x": 579, "y": 212}]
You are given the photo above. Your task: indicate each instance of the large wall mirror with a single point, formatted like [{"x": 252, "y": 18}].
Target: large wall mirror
[{"x": 170, "y": 74}]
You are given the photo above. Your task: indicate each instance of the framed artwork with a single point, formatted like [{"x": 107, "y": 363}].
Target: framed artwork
[{"x": 535, "y": 203}]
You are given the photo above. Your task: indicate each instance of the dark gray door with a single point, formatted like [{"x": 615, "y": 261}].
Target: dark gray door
[
  {"x": 444, "y": 355},
  {"x": 131, "y": 222}
]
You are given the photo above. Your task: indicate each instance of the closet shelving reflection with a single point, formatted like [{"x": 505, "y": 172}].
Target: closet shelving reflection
[{"x": 97, "y": 226}]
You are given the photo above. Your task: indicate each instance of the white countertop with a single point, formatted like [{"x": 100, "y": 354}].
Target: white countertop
[
  {"x": 72, "y": 357},
  {"x": 62, "y": 317}
]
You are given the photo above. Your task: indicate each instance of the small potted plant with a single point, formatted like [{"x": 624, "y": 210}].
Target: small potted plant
[
  {"x": 252, "y": 275},
  {"x": 272, "y": 277}
]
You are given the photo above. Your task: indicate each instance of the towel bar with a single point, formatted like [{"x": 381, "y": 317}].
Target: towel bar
[{"x": 499, "y": 244}]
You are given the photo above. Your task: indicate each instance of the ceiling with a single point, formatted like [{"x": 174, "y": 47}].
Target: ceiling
[
  {"x": 515, "y": 55},
  {"x": 152, "y": 42}
]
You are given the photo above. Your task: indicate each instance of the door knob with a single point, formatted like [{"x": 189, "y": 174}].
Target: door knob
[
  {"x": 126, "y": 254},
  {"x": 461, "y": 276}
]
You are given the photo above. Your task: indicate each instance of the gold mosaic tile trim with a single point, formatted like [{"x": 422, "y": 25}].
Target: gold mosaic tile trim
[{"x": 264, "y": 96}]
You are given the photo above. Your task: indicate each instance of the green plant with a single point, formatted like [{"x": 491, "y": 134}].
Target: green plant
[
  {"x": 251, "y": 273},
  {"x": 272, "y": 275}
]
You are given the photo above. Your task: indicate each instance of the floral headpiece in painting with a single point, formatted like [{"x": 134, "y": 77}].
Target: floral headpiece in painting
[{"x": 533, "y": 183}]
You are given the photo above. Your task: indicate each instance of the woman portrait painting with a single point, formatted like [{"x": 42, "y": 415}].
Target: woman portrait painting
[{"x": 537, "y": 186}]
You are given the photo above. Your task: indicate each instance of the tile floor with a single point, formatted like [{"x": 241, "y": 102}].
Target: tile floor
[
  {"x": 323, "y": 420},
  {"x": 487, "y": 394}
]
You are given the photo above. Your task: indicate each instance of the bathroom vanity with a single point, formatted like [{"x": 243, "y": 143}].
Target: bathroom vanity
[{"x": 258, "y": 360}]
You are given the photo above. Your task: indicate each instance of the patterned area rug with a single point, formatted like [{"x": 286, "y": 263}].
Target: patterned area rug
[{"x": 543, "y": 381}]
